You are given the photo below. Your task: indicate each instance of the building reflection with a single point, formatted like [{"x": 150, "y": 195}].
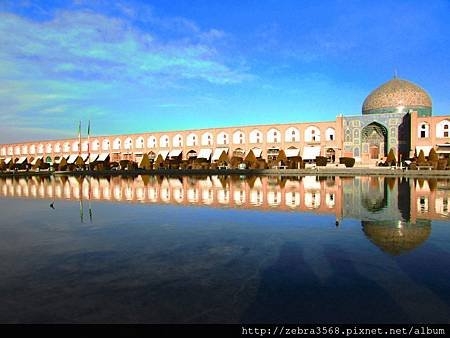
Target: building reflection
[{"x": 395, "y": 213}]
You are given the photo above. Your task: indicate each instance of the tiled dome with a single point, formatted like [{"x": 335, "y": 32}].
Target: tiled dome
[{"x": 394, "y": 94}]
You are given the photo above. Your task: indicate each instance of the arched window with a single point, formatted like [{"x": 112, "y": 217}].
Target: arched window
[
  {"x": 330, "y": 134},
  {"x": 75, "y": 146},
  {"x": 66, "y": 147},
  {"x": 117, "y": 144},
  {"x": 33, "y": 149},
  {"x": 128, "y": 143},
  {"x": 17, "y": 150},
  {"x": 312, "y": 134},
  {"x": 222, "y": 138},
  {"x": 57, "y": 148},
  {"x": 25, "y": 149},
  {"x": 191, "y": 140},
  {"x": 273, "y": 136},
  {"x": 292, "y": 135},
  {"x": 95, "y": 145},
  {"x": 164, "y": 141},
  {"x": 140, "y": 142},
  {"x": 48, "y": 148},
  {"x": 85, "y": 146},
  {"x": 151, "y": 142},
  {"x": 207, "y": 139},
  {"x": 424, "y": 130},
  {"x": 238, "y": 137},
  {"x": 177, "y": 140},
  {"x": 255, "y": 136},
  {"x": 442, "y": 129},
  {"x": 105, "y": 145}
]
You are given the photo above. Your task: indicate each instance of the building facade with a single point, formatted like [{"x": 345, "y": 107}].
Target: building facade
[{"x": 396, "y": 115}]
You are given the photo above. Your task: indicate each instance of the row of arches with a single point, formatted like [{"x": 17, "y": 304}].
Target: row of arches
[
  {"x": 442, "y": 129},
  {"x": 256, "y": 136}
]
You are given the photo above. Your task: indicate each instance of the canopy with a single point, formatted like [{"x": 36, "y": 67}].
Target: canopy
[
  {"x": 443, "y": 149},
  {"x": 257, "y": 152},
  {"x": 205, "y": 153},
  {"x": 71, "y": 160},
  {"x": 8, "y": 159},
  {"x": 84, "y": 157},
  {"x": 93, "y": 157},
  {"x": 163, "y": 154},
  {"x": 175, "y": 153},
  {"x": 217, "y": 153},
  {"x": 102, "y": 157},
  {"x": 21, "y": 160},
  {"x": 294, "y": 152},
  {"x": 35, "y": 160},
  {"x": 426, "y": 150},
  {"x": 311, "y": 152}
]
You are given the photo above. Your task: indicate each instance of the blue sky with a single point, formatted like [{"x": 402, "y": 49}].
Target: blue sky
[{"x": 135, "y": 66}]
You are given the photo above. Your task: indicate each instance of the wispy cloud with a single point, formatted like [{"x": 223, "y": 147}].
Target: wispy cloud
[{"x": 66, "y": 61}]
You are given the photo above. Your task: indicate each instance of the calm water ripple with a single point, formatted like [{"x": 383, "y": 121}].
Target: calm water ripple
[{"x": 224, "y": 250}]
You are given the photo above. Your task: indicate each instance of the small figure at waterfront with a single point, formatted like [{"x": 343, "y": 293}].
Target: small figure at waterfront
[{"x": 52, "y": 205}]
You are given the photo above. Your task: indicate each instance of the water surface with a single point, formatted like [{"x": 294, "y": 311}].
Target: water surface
[{"x": 224, "y": 250}]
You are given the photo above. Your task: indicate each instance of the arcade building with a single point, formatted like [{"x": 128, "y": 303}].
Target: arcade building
[{"x": 397, "y": 115}]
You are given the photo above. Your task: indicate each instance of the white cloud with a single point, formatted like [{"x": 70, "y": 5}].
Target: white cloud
[{"x": 50, "y": 68}]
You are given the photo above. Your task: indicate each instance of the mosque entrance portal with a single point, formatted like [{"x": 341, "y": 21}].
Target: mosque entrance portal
[{"x": 374, "y": 139}]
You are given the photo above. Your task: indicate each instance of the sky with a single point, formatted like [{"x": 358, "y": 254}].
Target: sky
[{"x": 141, "y": 66}]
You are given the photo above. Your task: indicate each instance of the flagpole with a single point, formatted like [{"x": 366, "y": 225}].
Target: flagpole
[
  {"x": 79, "y": 139},
  {"x": 89, "y": 144},
  {"x": 89, "y": 199}
]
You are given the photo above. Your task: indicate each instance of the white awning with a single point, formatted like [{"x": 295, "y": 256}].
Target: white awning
[
  {"x": 175, "y": 152},
  {"x": 443, "y": 150},
  {"x": 443, "y": 144},
  {"x": 257, "y": 152},
  {"x": 175, "y": 183},
  {"x": 102, "y": 157},
  {"x": 140, "y": 153},
  {"x": 84, "y": 157},
  {"x": 426, "y": 150},
  {"x": 8, "y": 159},
  {"x": 293, "y": 152},
  {"x": 93, "y": 157},
  {"x": 217, "y": 153},
  {"x": 21, "y": 160},
  {"x": 36, "y": 159},
  {"x": 310, "y": 152},
  {"x": 163, "y": 154},
  {"x": 72, "y": 159},
  {"x": 205, "y": 153}
]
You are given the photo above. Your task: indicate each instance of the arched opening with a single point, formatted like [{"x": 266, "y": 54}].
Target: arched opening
[
  {"x": 331, "y": 155},
  {"x": 191, "y": 155},
  {"x": 374, "y": 136}
]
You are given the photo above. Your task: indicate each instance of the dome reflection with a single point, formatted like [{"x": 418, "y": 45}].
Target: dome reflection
[{"x": 397, "y": 237}]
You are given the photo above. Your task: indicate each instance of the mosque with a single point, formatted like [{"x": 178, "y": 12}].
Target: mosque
[{"x": 397, "y": 115}]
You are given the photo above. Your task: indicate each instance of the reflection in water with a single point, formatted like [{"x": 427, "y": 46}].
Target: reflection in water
[
  {"x": 261, "y": 249},
  {"x": 399, "y": 238}
]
